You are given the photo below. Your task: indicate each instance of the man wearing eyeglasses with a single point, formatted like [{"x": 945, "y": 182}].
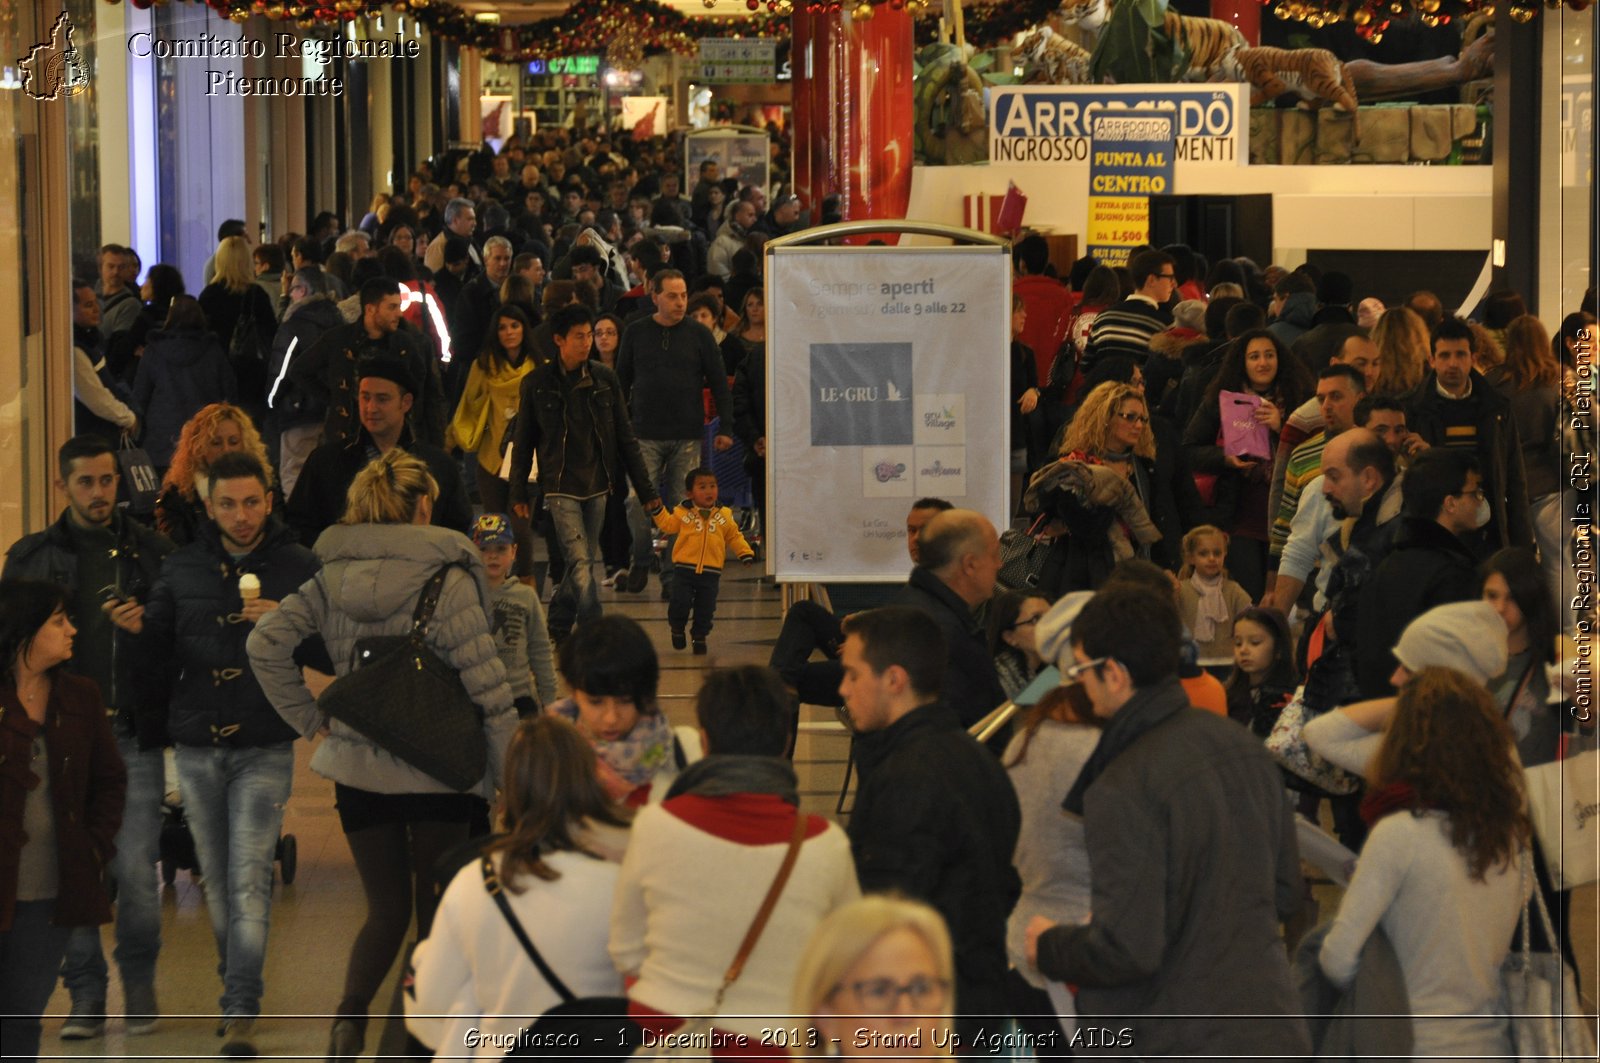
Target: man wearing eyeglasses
[
  {"x": 1430, "y": 563},
  {"x": 936, "y": 817},
  {"x": 1126, "y": 328},
  {"x": 1192, "y": 855}
]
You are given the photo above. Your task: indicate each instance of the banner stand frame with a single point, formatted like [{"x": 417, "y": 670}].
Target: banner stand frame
[{"x": 959, "y": 236}]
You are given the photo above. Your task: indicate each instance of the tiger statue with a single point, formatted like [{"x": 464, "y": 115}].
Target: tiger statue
[
  {"x": 1315, "y": 75},
  {"x": 1207, "y": 40},
  {"x": 1048, "y": 58}
]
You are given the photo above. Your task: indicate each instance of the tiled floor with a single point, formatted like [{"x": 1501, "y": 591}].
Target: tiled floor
[{"x": 315, "y": 918}]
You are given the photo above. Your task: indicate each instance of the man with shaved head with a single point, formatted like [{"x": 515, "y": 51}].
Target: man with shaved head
[
  {"x": 1362, "y": 490},
  {"x": 958, "y": 559}
]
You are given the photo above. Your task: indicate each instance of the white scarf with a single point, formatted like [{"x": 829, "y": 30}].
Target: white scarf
[{"x": 1213, "y": 611}]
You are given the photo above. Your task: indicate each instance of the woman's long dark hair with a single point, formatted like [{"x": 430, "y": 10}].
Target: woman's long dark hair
[
  {"x": 1290, "y": 387},
  {"x": 1283, "y": 673},
  {"x": 185, "y": 314},
  {"x": 493, "y": 356},
  {"x": 1525, "y": 577},
  {"x": 552, "y": 788},
  {"x": 26, "y": 605},
  {"x": 166, "y": 284}
]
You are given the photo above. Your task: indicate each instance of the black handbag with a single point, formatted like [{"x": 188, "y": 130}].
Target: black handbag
[
  {"x": 1022, "y": 556},
  {"x": 402, "y": 696}
]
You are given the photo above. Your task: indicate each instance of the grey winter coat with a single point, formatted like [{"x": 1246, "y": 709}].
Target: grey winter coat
[
  {"x": 369, "y": 583},
  {"x": 1193, "y": 863}
]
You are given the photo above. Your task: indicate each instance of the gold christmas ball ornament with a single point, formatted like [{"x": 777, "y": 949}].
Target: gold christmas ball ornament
[
  {"x": 1361, "y": 17},
  {"x": 1281, "y": 13},
  {"x": 1429, "y": 6},
  {"x": 1376, "y": 38},
  {"x": 1523, "y": 13},
  {"x": 862, "y": 11}
]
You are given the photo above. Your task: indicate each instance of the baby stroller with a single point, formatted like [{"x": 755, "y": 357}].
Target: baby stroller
[{"x": 177, "y": 845}]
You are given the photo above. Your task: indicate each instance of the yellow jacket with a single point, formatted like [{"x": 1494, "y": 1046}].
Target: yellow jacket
[
  {"x": 488, "y": 403},
  {"x": 703, "y": 536}
]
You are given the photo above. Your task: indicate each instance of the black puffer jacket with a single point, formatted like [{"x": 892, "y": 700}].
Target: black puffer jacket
[
  {"x": 937, "y": 819},
  {"x": 193, "y": 639}
]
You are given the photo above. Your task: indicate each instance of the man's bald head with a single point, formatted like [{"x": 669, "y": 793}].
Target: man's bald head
[
  {"x": 962, "y": 548},
  {"x": 1355, "y": 466}
]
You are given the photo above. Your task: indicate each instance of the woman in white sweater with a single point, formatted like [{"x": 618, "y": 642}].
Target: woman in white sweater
[
  {"x": 476, "y": 986},
  {"x": 1442, "y": 871},
  {"x": 699, "y": 864}
]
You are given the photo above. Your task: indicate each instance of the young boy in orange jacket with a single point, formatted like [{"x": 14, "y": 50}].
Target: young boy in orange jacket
[{"x": 705, "y": 531}]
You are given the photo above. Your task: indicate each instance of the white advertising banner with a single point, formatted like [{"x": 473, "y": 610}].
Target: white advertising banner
[
  {"x": 888, "y": 380},
  {"x": 744, "y": 156},
  {"x": 1050, "y": 124}
]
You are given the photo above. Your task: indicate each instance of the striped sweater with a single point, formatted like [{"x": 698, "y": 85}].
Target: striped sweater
[
  {"x": 1304, "y": 465},
  {"x": 1125, "y": 328}
]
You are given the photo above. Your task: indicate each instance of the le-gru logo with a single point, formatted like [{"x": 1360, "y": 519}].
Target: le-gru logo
[{"x": 861, "y": 394}]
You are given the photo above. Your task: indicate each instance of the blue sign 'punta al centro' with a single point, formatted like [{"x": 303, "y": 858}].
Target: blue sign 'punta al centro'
[{"x": 1051, "y": 124}]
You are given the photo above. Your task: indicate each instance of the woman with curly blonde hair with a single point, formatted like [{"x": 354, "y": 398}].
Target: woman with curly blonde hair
[
  {"x": 1403, "y": 349},
  {"x": 1111, "y": 423},
  {"x": 216, "y": 430},
  {"x": 1110, "y": 429},
  {"x": 1446, "y": 869}
]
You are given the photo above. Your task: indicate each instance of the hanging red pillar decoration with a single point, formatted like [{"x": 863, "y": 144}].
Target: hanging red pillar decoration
[
  {"x": 1245, "y": 14},
  {"x": 853, "y": 111}
]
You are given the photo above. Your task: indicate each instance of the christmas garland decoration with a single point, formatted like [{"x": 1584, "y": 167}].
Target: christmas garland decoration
[
  {"x": 644, "y": 27},
  {"x": 584, "y": 28}
]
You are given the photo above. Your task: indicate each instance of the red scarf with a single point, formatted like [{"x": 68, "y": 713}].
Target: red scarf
[{"x": 1387, "y": 800}]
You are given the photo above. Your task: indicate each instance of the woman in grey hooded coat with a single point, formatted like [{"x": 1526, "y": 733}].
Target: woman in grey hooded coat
[{"x": 399, "y": 820}]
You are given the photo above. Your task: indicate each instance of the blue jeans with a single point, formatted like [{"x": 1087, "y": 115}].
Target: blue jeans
[
  {"x": 133, "y": 872},
  {"x": 233, "y": 800},
  {"x": 30, "y": 955},
  {"x": 666, "y": 463},
  {"x": 577, "y": 523}
]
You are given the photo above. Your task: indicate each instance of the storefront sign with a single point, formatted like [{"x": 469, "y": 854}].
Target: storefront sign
[
  {"x": 565, "y": 64},
  {"x": 1051, "y": 124},
  {"x": 726, "y": 61},
  {"x": 1130, "y": 160}
]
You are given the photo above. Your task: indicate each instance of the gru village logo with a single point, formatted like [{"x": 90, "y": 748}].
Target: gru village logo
[{"x": 55, "y": 68}]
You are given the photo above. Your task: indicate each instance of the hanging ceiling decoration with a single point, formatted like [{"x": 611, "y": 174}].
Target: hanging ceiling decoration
[
  {"x": 650, "y": 28},
  {"x": 584, "y": 28}
]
